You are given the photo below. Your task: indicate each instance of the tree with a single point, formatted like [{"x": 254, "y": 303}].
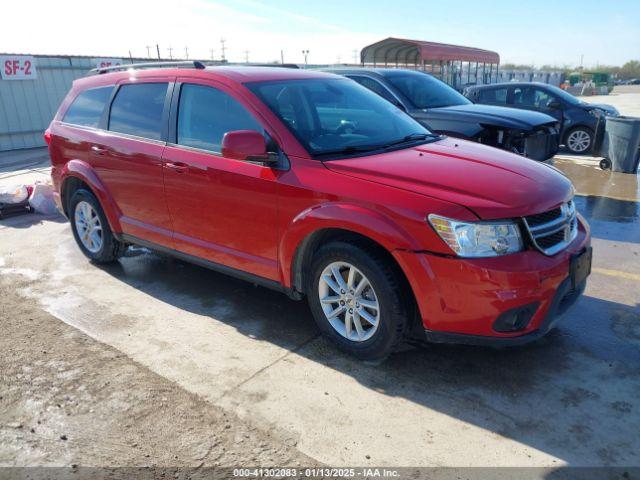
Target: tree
[{"x": 631, "y": 69}]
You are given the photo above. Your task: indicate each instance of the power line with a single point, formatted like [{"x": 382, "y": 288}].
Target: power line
[{"x": 222, "y": 42}]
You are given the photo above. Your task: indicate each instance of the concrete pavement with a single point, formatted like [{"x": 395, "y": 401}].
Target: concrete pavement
[{"x": 570, "y": 399}]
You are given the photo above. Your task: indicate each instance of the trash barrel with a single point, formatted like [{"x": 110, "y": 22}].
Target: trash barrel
[{"x": 622, "y": 142}]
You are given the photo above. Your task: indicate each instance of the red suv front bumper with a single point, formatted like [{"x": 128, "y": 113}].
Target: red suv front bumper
[{"x": 461, "y": 300}]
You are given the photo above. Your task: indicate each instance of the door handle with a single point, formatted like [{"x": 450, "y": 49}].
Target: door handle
[
  {"x": 178, "y": 167},
  {"x": 98, "y": 150}
]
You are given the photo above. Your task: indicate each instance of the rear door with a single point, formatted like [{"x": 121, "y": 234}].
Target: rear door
[
  {"x": 223, "y": 210},
  {"x": 128, "y": 157},
  {"x": 492, "y": 96}
]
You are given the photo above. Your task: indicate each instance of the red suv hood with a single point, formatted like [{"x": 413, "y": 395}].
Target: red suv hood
[{"x": 491, "y": 182}]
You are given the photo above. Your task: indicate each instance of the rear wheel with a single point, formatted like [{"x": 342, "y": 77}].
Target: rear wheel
[
  {"x": 91, "y": 229},
  {"x": 356, "y": 299},
  {"x": 579, "y": 140}
]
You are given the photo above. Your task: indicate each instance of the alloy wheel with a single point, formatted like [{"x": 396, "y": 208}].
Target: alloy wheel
[
  {"x": 349, "y": 302},
  {"x": 579, "y": 141},
  {"x": 88, "y": 226}
]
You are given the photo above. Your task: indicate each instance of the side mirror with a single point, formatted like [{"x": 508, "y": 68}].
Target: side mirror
[
  {"x": 554, "y": 105},
  {"x": 247, "y": 145}
]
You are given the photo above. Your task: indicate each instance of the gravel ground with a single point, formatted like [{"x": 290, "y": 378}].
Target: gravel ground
[{"x": 66, "y": 399}]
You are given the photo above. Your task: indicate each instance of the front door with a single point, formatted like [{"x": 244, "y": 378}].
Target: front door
[
  {"x": 530, "y": 97},
  {"x": 222, "y": 210}
]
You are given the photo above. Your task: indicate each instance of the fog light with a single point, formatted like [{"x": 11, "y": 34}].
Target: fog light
[{"x": 515, "y": 319}]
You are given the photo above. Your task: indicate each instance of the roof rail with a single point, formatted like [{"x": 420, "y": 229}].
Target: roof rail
[
  {"x": 135, "y": 66},
  {"x": 277, "y": 65}
]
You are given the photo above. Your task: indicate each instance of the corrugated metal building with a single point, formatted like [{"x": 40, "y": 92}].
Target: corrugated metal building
[{"x": 28, "y": 105}]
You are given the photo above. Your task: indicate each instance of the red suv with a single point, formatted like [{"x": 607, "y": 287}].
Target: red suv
[{"x": 310, "y": 184}]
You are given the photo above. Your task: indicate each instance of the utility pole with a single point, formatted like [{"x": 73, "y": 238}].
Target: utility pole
[
  {"x": 355, "y": 56},
  {"x": 246, "y": 56},
  {"x": 282, "y": 56},
  {"x": 223, "y": 48},
  {"x": 581, "y": 61},
  {"x": 148, "y": 51},
  {"x": 186, "y": 52},
  {"x": 211, "y": 53},
  {"x": 170, "y": 53},
  {"x": 306, "y": 54},
  {"x": 158, "y": 50},
  {"x": 130, "y": 57},
  {"x": 339, "y": 59}
]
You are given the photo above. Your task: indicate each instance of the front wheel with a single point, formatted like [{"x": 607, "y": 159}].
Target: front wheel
[
  {"x": 579, "y": 140},
  {"x": 357, "y": 301}
]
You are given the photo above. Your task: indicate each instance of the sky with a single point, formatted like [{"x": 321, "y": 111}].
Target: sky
[{"x": 543, "y": 32}]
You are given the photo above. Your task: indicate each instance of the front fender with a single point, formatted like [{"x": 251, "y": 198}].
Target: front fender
[
  {"x": 83, "y": 171},
  {"x": 334, "y": 215}
]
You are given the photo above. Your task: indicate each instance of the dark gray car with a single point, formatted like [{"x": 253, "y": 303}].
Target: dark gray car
[
  {"x": 443, "y": 110},
  {"x": 580, "y": 122}
]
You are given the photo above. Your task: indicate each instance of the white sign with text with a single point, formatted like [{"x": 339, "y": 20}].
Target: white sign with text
[
  {"x": 107, "y": 62},
  {"x": 18, "y": 67}
]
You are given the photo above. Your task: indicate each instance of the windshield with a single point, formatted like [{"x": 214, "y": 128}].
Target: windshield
[
  {"x": 425, "y": 91},
  {"x": 338, "y": 116},
  {"x": 566, "y": 96}
]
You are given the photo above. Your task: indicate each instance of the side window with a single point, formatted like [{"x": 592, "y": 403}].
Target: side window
[
  {"x": 86, "y": 109},
  {"x": 374, "y": 86},
  {"x": 524, "y": 96},
  {"x": 137, "y": 110},
  {"x": 205, "y": 114},
  {"x": 542, "y": 99},
  {"x": 493, "y": 95}
]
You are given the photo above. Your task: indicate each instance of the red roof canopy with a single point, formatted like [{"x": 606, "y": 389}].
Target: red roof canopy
[{"x": 403, "y": 51}]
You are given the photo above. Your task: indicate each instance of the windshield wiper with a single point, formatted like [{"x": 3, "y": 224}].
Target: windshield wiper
[
  {"x": 349, "y": 150},
  {"x": 352, "y": 150},
  {"x": 413, "y": 137}
]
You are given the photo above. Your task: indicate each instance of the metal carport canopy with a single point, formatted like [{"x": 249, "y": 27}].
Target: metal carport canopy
[{"x": 403, "y": 51}]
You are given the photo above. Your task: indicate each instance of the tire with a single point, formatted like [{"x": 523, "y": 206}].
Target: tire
[
  {"x": 576, "y": 140},
  {"x": 375, "y": 343},
  {"x": 108, "y": 249}
]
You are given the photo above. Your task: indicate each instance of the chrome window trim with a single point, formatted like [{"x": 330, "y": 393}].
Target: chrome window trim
[{"x": 113, "y": 133}]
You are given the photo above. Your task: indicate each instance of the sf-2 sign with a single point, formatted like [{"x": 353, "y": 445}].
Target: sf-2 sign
[
  {"x": 107, "y": 62},
  {"x": 18, "y": 67}
]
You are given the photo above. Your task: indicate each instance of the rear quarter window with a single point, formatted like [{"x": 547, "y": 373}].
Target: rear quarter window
[
  {"x": 493, "y": 95},
  {"x": 87, "y": 108}
]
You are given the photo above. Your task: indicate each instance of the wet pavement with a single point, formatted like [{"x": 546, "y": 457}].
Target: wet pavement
[{"x": 573, "y": 398}]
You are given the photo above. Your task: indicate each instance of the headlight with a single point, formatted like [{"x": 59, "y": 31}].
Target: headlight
[
  {"x": 478, "y": 239},
  {"x": 596, "y": 112}
]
